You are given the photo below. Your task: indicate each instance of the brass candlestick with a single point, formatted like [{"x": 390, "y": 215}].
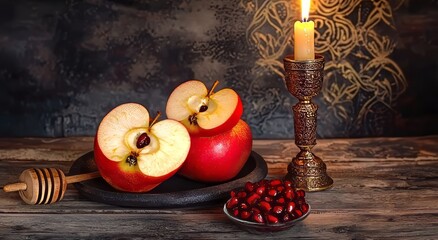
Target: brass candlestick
[{"x": 304, "y": 81}]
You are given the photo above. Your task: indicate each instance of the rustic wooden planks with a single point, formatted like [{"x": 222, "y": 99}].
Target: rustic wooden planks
[{"x": 384, "y": 188}]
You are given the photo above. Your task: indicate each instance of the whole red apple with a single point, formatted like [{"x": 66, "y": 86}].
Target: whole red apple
[
  {"x": 136, "y": 155},
  {"x": 204, "y": 112},
  {"x": 220, "y": 157}
]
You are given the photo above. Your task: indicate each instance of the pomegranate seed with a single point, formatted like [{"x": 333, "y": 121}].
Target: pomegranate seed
[
  {"x": 267, "y": 199},
  {"x": 245, "y": 215},
  {"x": 260, "y": 190},
  {"x": 275, "y": 182},
  {"x": 233, "y": 193},
  {"x": 289, "y": 194},
  {"x": 236, "y": 212},
  {"x": 252, "y": 198},
  {"x": 290, "y": 207},
  {"x": 243, "y": 206},
  {"x": 232, "y": 202},
  {"x": 241, "y": 194},
  {"x": 287, "y": 183},
  {"x": 258, "y": 218},
  {"x": 265, "y": 206},
  {"x": 143, "y": 140},
  {"x": 305, "y": 207},
  {"x": 277, "y": 209},
  {"x": 249, "y": 187},
  {"x": 298, "y": 213},
  {"x": 280, "y": 189},
  {"x": 301, "y": 193},
  {"x": 272, "y": 192},
  {"x": 271, "y": 218},
  {"x": 280, "y": 201}
]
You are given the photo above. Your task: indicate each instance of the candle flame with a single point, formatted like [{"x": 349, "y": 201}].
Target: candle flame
[{"x": 305, "y": 9}]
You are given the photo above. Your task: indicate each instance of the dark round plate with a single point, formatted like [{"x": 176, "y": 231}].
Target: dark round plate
[{"x": 175, "y": 192}]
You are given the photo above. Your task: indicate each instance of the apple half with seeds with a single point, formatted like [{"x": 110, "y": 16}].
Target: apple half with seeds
[
  {"x": 134, "y": 154},
  {"x": 204, "y": 112}
]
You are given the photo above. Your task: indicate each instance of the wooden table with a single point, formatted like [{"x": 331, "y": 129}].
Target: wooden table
[{"x": 384, "y": 188}]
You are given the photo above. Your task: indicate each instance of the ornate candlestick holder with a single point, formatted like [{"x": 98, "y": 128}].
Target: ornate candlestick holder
[{"x": 304, "y": 81}]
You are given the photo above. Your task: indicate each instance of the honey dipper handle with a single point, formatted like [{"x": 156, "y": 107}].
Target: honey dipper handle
[
  {"x": 82, "y": 177},
  {"x": 21, "y": 186},
  {"x": 14, "y": 187}
]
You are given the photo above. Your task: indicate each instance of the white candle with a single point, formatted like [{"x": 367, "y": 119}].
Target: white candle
[{"x": 304, "y": 40}]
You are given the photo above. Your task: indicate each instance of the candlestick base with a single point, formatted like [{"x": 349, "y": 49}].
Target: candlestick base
[{"x": 308, "y": 172}]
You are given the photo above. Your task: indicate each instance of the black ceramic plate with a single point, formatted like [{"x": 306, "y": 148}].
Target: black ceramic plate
[{"x": 175, "y": 192}]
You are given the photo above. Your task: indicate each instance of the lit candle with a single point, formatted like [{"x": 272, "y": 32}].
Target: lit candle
[{"x": 304, "y": 35}]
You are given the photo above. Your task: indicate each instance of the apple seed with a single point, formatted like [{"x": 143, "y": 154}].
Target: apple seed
[
  {"x": 193, "y": 120},
  {"x": 203, "y": 108},
  {"x": 131, "y": 160},
  {"x": 143, "y": 140}
]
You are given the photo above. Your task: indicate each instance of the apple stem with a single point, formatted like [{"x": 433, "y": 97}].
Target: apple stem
[
  {"x": 155, "y": 119},
  {"x": 212, "y": 88}
]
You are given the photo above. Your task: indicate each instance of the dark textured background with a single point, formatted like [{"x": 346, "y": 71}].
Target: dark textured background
[{"x": 63, "y": 65}]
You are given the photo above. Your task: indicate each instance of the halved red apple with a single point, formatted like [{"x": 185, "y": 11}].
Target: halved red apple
[
  {"x": 204, "y": 112},
  {"x": 136, "y": 155}
]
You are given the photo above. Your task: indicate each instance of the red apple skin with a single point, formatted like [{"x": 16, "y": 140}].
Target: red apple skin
[
  {"x": 128, "y": 179},
  {"x": 218, "y": 158}
]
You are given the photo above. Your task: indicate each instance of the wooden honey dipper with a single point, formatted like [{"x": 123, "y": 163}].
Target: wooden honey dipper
[{"x": 45, "y": 185}]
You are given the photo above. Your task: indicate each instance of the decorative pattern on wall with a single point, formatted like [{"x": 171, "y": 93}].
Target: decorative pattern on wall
[
  {"x": 64, "y": 64},
  {"x": 357, "y": 37}
]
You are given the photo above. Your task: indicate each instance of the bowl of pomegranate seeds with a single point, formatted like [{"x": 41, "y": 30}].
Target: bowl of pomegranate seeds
[{"x": 267, "y": 206}]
